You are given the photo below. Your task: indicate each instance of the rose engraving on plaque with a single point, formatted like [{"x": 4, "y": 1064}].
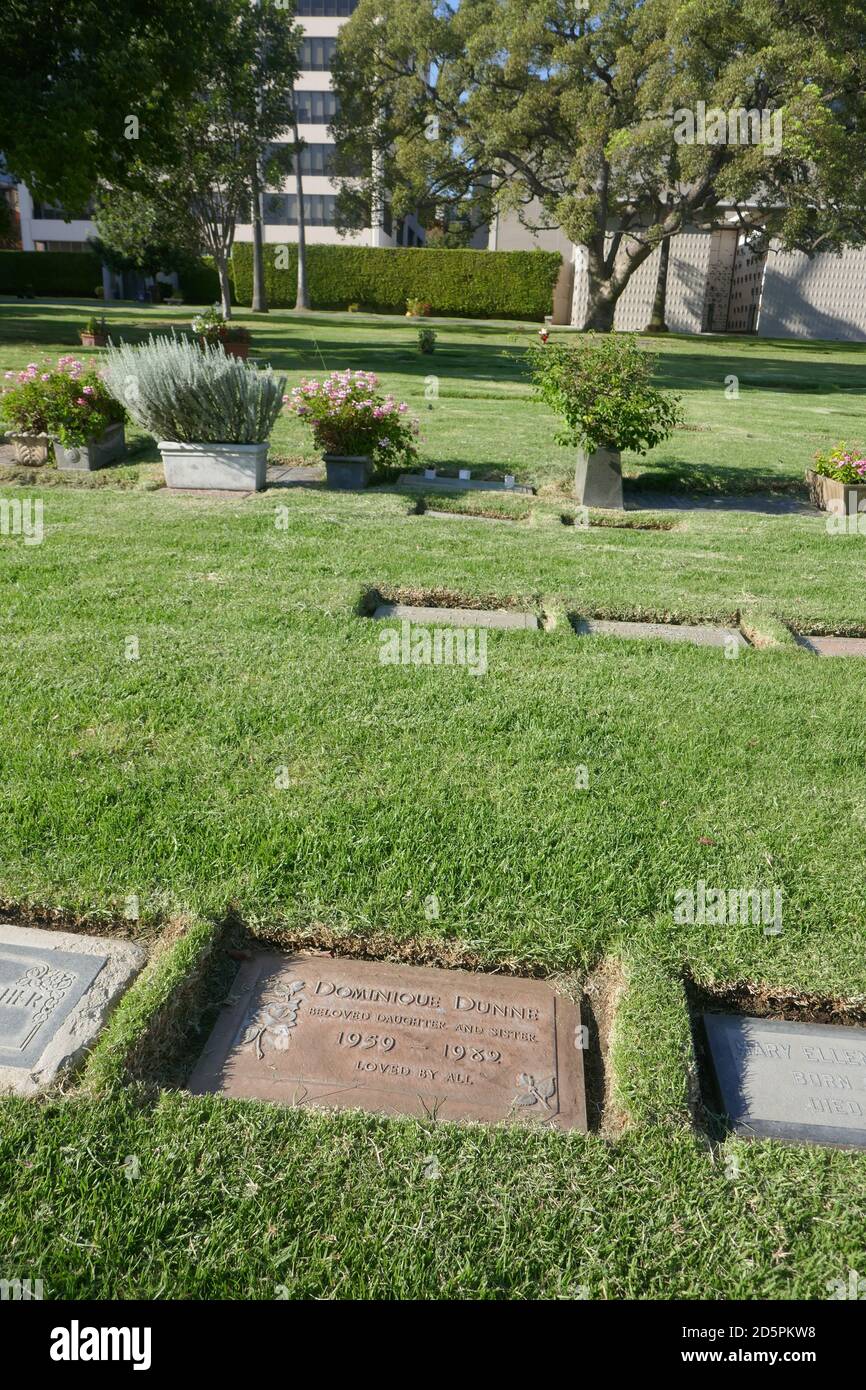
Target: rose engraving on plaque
[
  {"x": 533, "y": 1092},
  {"x": 273, "y": 1021}
]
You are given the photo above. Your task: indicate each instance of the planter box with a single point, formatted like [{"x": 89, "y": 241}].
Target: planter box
[
  {"x": 833, "y": 496},
  {"x": 348, "y": 472},
  {"x": 30, "y": 449},
  {"x": 236, "y": 349},
  {"x": 96, "y": 453},
  {"x": 598, "y": 478},
  {"x": 93, "y": 339},
  {"x": 221, "y": 467}
]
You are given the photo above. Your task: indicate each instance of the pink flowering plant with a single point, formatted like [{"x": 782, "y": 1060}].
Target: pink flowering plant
[
  {"x": 68, "y": 401},
  {"x": 846, "y": 464},
  {"x": 349, "y": 416}
]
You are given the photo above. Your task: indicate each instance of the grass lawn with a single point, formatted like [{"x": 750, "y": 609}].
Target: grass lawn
[{"x": 258, "y": 770}]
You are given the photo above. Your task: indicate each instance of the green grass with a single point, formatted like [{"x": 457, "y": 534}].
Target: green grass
[{"x": 157, "y": 777}]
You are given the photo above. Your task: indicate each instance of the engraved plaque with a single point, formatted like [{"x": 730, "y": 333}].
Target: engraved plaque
[
  {"x": 38, "y": 990},
  {"x": 799, "y": 1081},
  {"x": 314, "y": 1029}
]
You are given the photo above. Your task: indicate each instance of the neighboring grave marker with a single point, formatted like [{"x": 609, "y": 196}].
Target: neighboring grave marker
[
  {"x": 798, "y": 1081},
  {"x": 56, "y": 989},
  {"x": 395, "y": 1039}
]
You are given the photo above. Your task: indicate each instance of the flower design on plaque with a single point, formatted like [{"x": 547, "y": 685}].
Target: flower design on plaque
[
  {"x": 271, "y": 1024},
  {"x": 535, "y": 1091}
]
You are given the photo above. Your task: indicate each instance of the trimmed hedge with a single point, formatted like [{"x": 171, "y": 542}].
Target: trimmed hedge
[
  {"x": 50, "y": 274},
  {"x": 199, "y": 282},
  {"x": 472, "y": 284}
]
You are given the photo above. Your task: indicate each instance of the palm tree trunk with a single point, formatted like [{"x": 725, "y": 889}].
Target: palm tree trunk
[{"x": 302, "y": 298}]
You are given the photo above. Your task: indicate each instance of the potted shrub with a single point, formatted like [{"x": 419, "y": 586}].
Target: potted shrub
[
  {"x": 94, "y": 333},
  {"x": 426, "y": 339},
  {"x": 602, "y": 388},
  {"x": 355, "y": 426},
  {"x": 837, "y": 482},
  {"x": 212, "y": 329},
  {"x": 417, "y": 308},
  {"x": 67, "y": 405},
  {"x": 212, "y": 415}
]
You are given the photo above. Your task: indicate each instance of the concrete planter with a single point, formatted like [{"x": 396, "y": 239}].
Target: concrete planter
[
  {"x": 219, "y": 467},
  {"x": 347, "y": 471},
  {"x": 30, "y": 449},
  {"x": 96, "y": 453},
  {"x": 833, "y": 496},
  {"x": 598, "y": 478},
  {"x": 93, "y": 339}
]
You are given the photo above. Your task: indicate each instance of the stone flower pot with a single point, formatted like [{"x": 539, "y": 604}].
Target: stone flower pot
[
  {"x": 598, "y": 478},
  {"x": 30, "y": 449},
  {"x": 220, "y": 467},
  {"x": 831, "y": 495},
  {"x": 93, "y": 339},
  {"x": 96, "y": 453},
  {"x": 347, "y": 471}
]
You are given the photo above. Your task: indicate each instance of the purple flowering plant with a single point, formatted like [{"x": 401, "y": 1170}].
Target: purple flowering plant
[
  {"x": 845, "y": 463},
  {"x": 69, "y": 401},
  {"x": 349, "y": 416}
]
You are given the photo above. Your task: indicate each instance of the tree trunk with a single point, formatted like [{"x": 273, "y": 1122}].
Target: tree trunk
[
  {"x": 657, "y": 322},
  {"x": 225, "y": 286},
  {"x": 600, "y": 310},
  {"x": 260, "y": 298},
  {"x": 302, "y": 298}
]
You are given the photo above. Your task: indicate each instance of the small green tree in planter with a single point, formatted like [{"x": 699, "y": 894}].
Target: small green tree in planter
[
  {"x": 355, "y": 426},
  {"x": 602, "y": 388},
  {"x": 69, "y": 405},
  {"x": 212, "y": 415}
]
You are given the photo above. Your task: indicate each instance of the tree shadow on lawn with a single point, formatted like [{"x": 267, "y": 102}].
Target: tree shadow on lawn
[{"x": 710, "y": 480}]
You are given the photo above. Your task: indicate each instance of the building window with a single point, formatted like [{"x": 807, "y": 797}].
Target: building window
[
  {"x": 281, "y": 209},
  {"x": 317, "y": 54},
  {"x": 61, "y": 246},
  {"x": 315, "y": 108},
  {"x": 328, "y": 9}
]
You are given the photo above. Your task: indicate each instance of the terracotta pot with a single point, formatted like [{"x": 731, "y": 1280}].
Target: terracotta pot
[
  {"x": 93, "y": 339},
  {"x": 236, "y": 349}
]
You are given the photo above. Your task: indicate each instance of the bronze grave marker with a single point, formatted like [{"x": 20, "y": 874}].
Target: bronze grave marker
[{"x": 314, "y": 1029}]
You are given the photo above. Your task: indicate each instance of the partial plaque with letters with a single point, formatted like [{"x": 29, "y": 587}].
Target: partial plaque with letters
[
  {"x": 800, "y": 1081},
  {"x": 400, "y": 1040}
]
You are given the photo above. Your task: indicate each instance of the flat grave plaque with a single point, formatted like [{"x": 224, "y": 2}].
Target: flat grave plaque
[
  {"x": 401, "y": 1040},
  {"x": 459, "y": 617},
  {"x": 56, "y": 989},
  {"x": 699, "y": 634},
  {"x": 833, "y": 646},
  {"x": 798, "y": 1081}
]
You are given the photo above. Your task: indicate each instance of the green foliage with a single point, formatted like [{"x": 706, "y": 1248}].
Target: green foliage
[
  {"x": 426, "y": 339},
  {"x": 199, "y": 281},
  {"x": 49, "y": 274},
  {"x": 68, "y": 400},
  {"x": 74, "y": 74},
  {"x": 476, "y": 284},
  {"x": 179, "y": 391},
  {"x": 602, "y": 388}
]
